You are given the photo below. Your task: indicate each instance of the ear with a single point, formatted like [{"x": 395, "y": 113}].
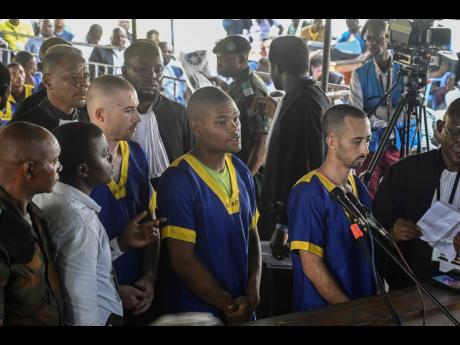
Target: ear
[
  {"x": 440, "y": 126},
  {"x": 29, "y": 169},
  {"x": 195, "y": 126},
  {"x": 331, "y": 141},
  {"x": 99, "y": 114},
  {"x": 47, "y": 81},
  {"x": 83, "y": 170}
]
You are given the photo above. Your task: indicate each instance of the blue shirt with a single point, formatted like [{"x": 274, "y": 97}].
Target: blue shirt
[
  {"x": 345, "y": 37},
  {"x": 199, "y": 211},
  {"x": 67, "y": 35},
  {"x": 122, "y": 201},
  {"x": 319, "y": 225}
]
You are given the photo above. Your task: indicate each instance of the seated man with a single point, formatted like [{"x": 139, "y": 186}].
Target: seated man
[
  {"x": 212, "y": 259},
  {"x": 329, "y": 266},
  {"x": 5, "y": 90},
  {"x": 316, "y": 69},
  {"x": 19, "y": 89},
  {"x": 408, "y": 190},
  {"x": 82, "y": 249},
  {"x": 29, "y": 284}
]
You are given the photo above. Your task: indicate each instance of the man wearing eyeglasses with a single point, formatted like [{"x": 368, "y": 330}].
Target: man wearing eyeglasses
[
  {"x": 164, "y": 132},
  {"x": 409, "y": 189}
]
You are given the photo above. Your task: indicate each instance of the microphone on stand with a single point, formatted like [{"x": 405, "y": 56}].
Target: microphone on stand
[
  {"x": 369, "y": 217},
  {"x": 340, "y": 196}
]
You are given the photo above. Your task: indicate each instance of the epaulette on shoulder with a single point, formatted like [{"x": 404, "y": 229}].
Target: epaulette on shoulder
[{"x": 246, "y": 88}]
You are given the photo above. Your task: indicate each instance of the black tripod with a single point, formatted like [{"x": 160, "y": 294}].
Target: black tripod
[{"x": 412, "y": 102}]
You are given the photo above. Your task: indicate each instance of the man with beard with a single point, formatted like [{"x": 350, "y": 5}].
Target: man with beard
[
  {"x": 66, "y": 78},
  {"x": 164, "y": 131},
  {"x": 112, "y": 105},
  {"x": 329, "y": 266}
]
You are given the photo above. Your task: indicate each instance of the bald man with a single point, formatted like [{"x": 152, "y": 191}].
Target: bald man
[
  {"x": 112, "y": 105},
  {"x": 32, "y": 298},
  {"x": 211, "y": 262}
]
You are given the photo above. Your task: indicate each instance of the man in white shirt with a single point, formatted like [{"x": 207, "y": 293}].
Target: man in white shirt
[{"x": 82, "y": 247}]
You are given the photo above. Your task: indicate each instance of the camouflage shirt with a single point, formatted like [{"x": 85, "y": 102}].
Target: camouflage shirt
[
  {"x": 29, "y": 286},
  {"x": 246, "y": 86}
]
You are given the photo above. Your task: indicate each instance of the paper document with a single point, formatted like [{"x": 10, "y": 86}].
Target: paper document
[{"x": 440, "y": 224}]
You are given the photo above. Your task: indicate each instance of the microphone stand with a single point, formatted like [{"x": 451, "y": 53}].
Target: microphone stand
[
  {"x": 339, "y": 195},
  {"x": 358, "y": 235}
]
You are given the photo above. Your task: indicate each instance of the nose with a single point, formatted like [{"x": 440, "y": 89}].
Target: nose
[
  {"x": 59, "y": 168},
  {"x": 137, "y": 117},
  {"x": 364, "y": 148}
]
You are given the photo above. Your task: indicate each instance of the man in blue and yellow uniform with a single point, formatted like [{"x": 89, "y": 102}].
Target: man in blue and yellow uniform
[
  {"x": 5, "y": 90},
  {"x": 112, "y": 105},
  {"x": 329, "y": 266},
  {"x": 232, "y": 61},
  {"x": 212, "y": 260}
]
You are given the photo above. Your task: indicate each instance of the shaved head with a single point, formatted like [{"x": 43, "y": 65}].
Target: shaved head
[
  {"x": 204, "y": 98},
  {"x": 20, "y": 137},
  {"x": 102, "y": 90},
  {"x": 30, "y": 165}
]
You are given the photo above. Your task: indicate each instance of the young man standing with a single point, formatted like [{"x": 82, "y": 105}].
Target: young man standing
[
  {"x": 112, "y": 106},
  {"x": 212, "y": 259},
  {"x": 329, "y": 266}
]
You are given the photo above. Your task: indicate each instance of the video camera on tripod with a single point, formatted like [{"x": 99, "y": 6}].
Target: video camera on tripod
[{"x": 419, "y": 47}]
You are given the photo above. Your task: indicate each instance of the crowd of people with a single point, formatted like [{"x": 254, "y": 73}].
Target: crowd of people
[{"x": 123, "y": 200}]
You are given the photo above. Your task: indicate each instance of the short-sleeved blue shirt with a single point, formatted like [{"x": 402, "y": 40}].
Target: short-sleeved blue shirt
[
  {"x": 199, "y": 211},
  {"x": 121, "y": 202},
  {"x": 318, "y": 224}
]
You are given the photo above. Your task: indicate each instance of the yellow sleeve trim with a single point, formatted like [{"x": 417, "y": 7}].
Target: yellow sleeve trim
[
  {"x": 307, "y": 246},
  {"x": 178, "y": 233},
  {"x": 153, "y": 202},
  {"x": 254, "y": 221}
]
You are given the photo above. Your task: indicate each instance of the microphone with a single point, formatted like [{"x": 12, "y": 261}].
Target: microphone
[
  {"x": 368, "y": 216},
  {"x": 340, "y": 196}
]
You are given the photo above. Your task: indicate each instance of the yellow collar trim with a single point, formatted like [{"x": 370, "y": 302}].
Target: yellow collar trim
[
  {"x": 119, "y": 189},
  {"x": 232, "y": 203},
  {"x": 328, "y": 184}
]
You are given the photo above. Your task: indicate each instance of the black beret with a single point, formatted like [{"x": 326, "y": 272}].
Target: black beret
[{"x": 233, "y": 44}]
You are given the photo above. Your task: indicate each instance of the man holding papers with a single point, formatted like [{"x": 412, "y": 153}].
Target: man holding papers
[{"x": 409, "y": 189}]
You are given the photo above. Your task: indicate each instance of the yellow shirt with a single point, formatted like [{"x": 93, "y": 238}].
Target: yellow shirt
[
  {"x": 10, "y": 108},
  {"x": 16, "y": 42},
  {"x": 308, "y": 35}
]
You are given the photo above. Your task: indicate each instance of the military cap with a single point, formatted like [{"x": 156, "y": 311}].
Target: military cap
[{"x": 233, "y": 44}]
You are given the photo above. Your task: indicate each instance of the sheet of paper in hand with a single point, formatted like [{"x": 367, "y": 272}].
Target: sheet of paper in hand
[{"x": 440, "y": 224}]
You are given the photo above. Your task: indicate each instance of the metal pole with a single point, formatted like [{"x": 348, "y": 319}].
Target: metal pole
[
  {"x": 326, "y": 55},
  {"x": 172, "y": 32},
  {"x": 134, "y": 25}
]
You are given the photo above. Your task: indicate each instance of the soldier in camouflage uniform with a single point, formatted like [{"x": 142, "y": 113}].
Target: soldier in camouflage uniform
[
  {"x": 29, "y": 285},
  {"x": 232, "y": 61}
]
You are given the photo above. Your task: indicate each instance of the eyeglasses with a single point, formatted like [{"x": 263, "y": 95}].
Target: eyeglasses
[{"x": 453, "y": 133}]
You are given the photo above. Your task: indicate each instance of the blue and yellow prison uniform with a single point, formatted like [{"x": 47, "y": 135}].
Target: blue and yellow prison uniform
[
  {"x": 318, "y": 224},
  {"x": 122, "y": 201},
  {"x": 200, "y": 212}
]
